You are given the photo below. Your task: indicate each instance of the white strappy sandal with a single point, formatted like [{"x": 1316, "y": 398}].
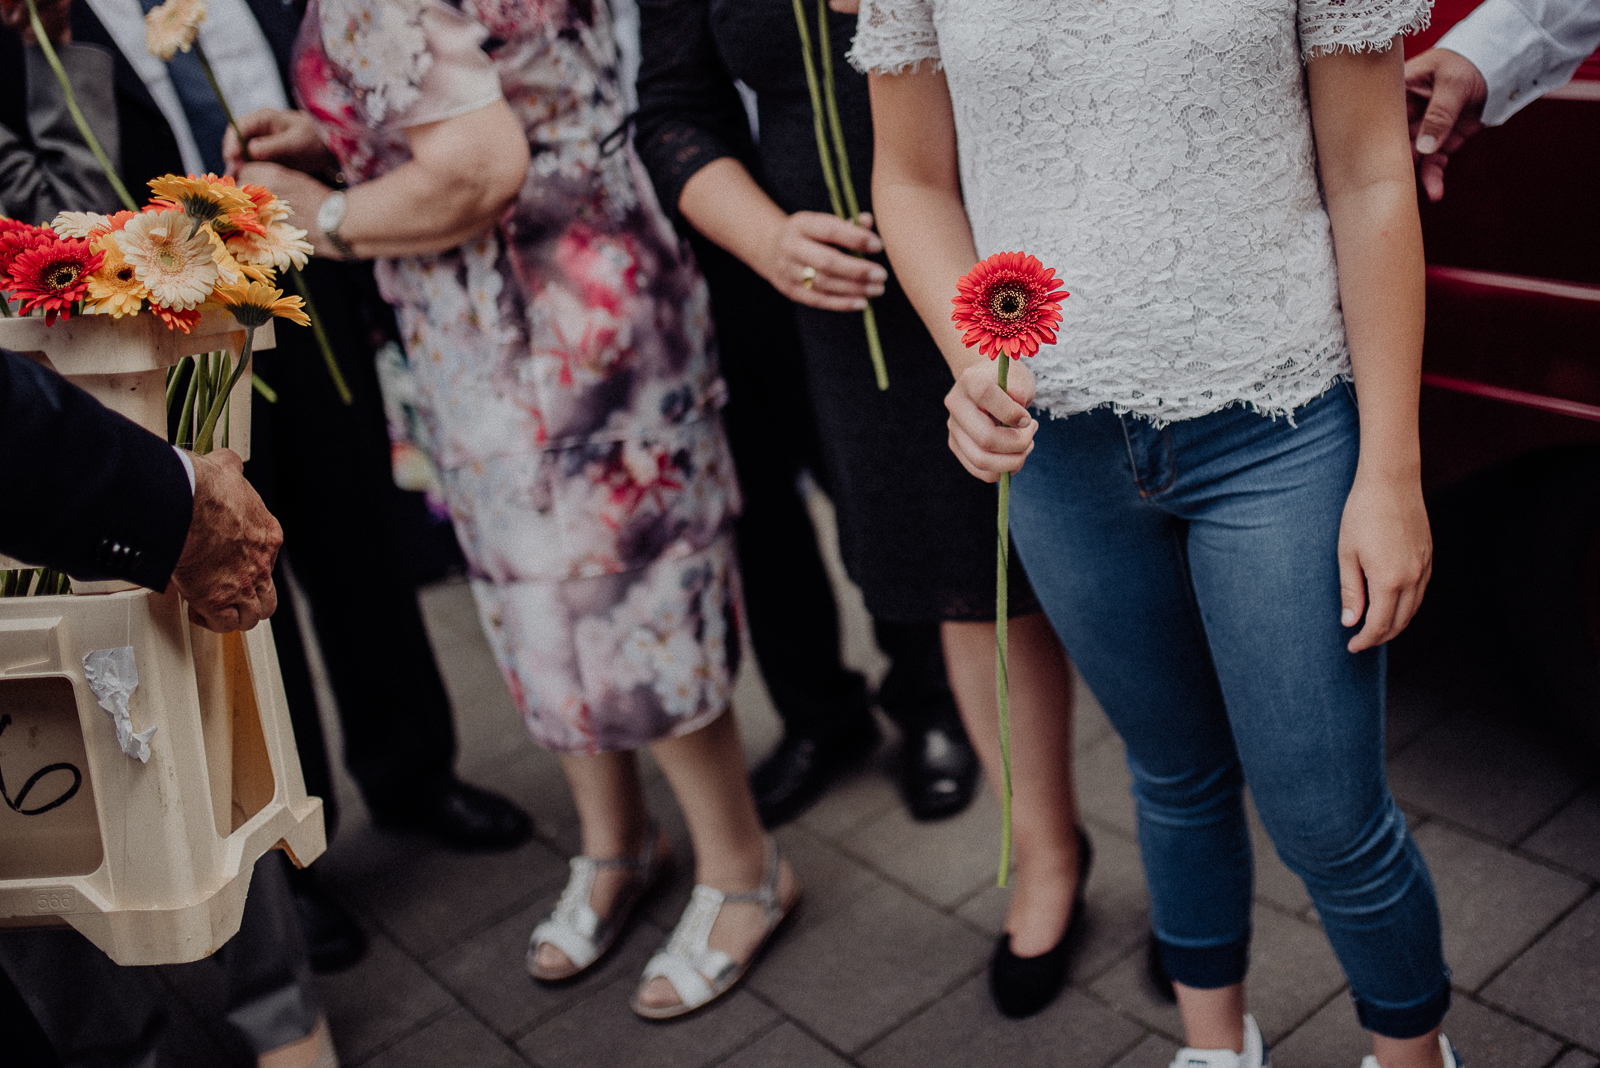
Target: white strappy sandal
[
  {"x": 575, "y": 928},
  {"x": 698, "y": 973}
]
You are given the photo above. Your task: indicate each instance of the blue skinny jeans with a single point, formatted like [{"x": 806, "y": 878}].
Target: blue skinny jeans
[{"x": 1192, "y": 572}]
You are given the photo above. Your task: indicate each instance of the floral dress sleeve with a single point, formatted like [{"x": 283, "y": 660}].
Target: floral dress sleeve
[
  {"x": 894, "y": 36},
  {"x": 1329, "y": 26},
  {"x": 379, "y": 66}
]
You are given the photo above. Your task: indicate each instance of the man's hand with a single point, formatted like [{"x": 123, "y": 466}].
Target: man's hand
[
  {"x": 225, "y": 572},
  {"x": 55, "y": 15},
  {"x": 277, "y": 136},
  {"x": 1444, "y": 101}
]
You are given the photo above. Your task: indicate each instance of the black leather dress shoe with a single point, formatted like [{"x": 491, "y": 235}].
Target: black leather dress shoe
[
  {"x": 334, "y": 940},
  {"x": 800, "y": 769},
  {"x": 462, "y": 817},
  {"x": 938, "y": 772},
  {"x": 1023, "y": 986}
]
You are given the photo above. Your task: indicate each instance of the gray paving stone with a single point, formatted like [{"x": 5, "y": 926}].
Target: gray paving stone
[
  {"x": 1153, "y": 1052},
  {"x": 427, "y": 898},
  {"x": 1493, "y": 903},
  {"x": 785, "y": 1046},
  {"x": 532, "y": 778},
  {"x": 964, "y": 1029},
  {"x": 944, "y": 862},
  {"x": 455, "y": 1038},
  {"x": 866, "y": 962},
  {"x": 1333, "y": 1038},
  {"x": 602, "y": 1032},
  {"x": 1292, "y": 974},
  {"x": 488, "y": 975},
  {"x": 1103, "y": 785},
  {"x": 1553, "y": 984},
  {"x": 1483, "y": 772},
  {"x": 1576, "y": 1058},
  {"x": 1572, "y": 837},
  {"x": 383, "y": 998},
  {"x": 1118, "y": 912},
  {"x": 493, "y": 728},
  {"x": 859, "y": 796}
]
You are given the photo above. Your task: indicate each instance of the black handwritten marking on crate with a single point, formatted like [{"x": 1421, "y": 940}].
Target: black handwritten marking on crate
[{"x": 15, "y": 804}]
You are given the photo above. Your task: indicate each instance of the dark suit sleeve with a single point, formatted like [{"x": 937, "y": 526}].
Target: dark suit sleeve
[
  {"x": 690, "y": 113},
  {"x": 87, "y": 491}
]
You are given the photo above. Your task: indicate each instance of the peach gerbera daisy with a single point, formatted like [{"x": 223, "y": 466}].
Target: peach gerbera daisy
[
  {"x": 172, "y": 27},
  {"x": 253, "y": 303},
  {"x": 282, "y": 246},
  {"x": 79, "y": 223},
  {"x": 114, "y": 288},
  {"x": 172, "y": 255}
]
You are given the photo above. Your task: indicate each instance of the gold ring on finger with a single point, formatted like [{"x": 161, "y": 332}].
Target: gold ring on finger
[{"x": 808, "y": 277}]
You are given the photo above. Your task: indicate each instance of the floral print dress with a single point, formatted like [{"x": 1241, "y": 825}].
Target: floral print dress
[{"x": 564, "y": 364}]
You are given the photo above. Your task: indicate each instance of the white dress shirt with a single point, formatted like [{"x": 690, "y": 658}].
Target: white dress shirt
[
  {"x": 234, "y": 44},
  {"x": 1525, "y": 48}
]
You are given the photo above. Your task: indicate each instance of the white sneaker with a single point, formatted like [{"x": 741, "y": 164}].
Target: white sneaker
[
  {"x": 1254, "y": 1055},
  {"x": 1451, "y": 1058}
]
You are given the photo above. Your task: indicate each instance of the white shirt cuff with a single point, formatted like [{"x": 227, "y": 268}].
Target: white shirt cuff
[
  {"x": 188, "y": 467},
  {"x": 1519, "y": 61}
]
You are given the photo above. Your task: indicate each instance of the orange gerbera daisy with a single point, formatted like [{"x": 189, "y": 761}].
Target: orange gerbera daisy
[
  {"x": 176, "y": 319},
  {"x": 52, "y": 276},
  {"x": 204, "y": 198},
  {"x": 254, "y": 303},
  {"x": 1008, "y": 303},
  {"x": 114, "y": 288}
]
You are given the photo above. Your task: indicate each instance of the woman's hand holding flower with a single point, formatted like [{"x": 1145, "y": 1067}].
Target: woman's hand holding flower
[
  {"x": 991, "y": 432},
  {"x": 812, "y": 239},
  {"x": 277, "y": 136}
]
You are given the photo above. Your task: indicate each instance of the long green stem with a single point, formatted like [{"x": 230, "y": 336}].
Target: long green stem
[
  {"x": 328, "y": 359},
  {"x": 72, "y": 108},
  {"x": 202, "y": 440},
  {"x": 845, "y": 205},
  {"x": 227, "y": 112},
  {"x": 1001, "y": 678}
]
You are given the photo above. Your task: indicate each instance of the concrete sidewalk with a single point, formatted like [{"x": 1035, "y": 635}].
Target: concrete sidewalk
[{"x": 884, "y": 965}]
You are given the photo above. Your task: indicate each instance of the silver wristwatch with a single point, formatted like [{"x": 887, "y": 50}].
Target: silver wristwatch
[{"x": 329, "y": 218}]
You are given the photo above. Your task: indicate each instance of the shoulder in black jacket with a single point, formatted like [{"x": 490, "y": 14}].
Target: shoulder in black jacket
[{"x": 87, "y": 491}]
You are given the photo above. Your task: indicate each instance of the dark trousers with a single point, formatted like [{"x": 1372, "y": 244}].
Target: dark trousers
[
  {"x": 794, "y": 620},
  {"x": 323, "y": 469}
]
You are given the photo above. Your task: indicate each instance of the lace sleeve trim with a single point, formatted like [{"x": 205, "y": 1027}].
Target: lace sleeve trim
[
  {"x": 1331, "y": 26},
  {"x": 895, "y": 37}
]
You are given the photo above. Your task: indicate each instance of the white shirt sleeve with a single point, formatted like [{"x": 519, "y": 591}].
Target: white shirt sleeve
[
  {"x": 188, "y": 467},
  {"x": 1524, "y": 48}
]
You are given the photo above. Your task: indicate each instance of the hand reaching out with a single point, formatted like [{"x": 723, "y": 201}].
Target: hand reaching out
[
  {"x": 289, "y": 138},
  {"x": 991, "y": 432},
  {"x": 808, "y": 245},
  {"x": 1445, "y": 94},
  {"x": 225, "y": 571}
]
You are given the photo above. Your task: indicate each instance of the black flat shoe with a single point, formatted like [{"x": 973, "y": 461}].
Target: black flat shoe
[
  {"x": 938, "y": 772},
  {"x": 1023, "y": 986},
  {"x": 802, "y": 767},
  {"x": 462, "y": 817}
]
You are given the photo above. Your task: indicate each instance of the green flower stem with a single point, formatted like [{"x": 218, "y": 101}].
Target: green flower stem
[
  {"x": 1001, "y": 679},
  {"x": 328, "y": 359},
  {"x": 202, "y": 440},
  {"x": 72, "y": 108},
  {"x": 845, "y": 206},
  {"x": 183, "y": 437},
  {"x": 268, "y": 394},
  {"x": 227, "y": 112}
]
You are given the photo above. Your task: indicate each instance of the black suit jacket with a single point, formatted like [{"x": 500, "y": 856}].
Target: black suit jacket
[
  {"x": 149, "y": 148},
  {"x": 88, "y": 491}
]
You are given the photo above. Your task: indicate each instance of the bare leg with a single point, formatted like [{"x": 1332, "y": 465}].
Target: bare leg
[
  {"x": 1421, "y": 1052},
  {"x": 1044, "y": 805},
  {"x": 1212, "y": 1019},
  {"x": 707, "y": 775},
  {"x": 613, "y": 822}
]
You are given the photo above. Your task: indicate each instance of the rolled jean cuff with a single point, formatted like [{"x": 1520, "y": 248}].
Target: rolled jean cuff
[
  {"x": 1404, "y": 1021},
  {"x": 1206, "y": 967}
]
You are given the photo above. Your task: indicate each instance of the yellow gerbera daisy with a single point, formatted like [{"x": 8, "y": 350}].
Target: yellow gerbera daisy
[
  {"x": 204, "y": 198},
  {"x": 172, "y": 255},
  {"x": 173, "y": 26},
  {"x": 115, "y": 288},
  {"x": 253, "y": 303}
]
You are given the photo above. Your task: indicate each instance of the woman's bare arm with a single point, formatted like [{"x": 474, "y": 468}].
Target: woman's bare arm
[
  {"x": 1358, "y": 112},
  {"x": 464, "y": 172},
  {"x": 916, "y": 189}
]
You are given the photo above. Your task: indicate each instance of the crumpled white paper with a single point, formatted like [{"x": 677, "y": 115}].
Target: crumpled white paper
[{"x": 112, "y": 675}]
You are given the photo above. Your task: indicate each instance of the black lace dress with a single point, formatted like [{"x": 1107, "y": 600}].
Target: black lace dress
[{"x": 915, "y": 530}]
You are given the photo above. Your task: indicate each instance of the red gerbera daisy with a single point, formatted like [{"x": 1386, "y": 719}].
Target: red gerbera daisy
[
  {"x": 15, "y": 239},
  {"x": 52, "y": 275},
  {"x": 1008, "y": 303}
]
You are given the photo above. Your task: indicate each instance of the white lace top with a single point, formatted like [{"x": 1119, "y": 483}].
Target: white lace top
[{"x": 1159, "y": 156}]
